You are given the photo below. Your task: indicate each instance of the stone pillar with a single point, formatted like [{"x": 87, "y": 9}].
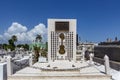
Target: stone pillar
[
  {"x": 83, "y": 53},
  {"x": 9, "y": 66},
  {"x": 91, "y": 58},
  {"x": 107, "y": 65},
  {"x": 30, "y": 60},
  {"x": 3, "y": 71}
]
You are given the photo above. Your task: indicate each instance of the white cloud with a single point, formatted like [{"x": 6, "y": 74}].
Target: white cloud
[
  {"x": 0, "y": 36},
  {"x": 16, "y": 28},
  {"x": 39, "y": 29},
  {"x": 23, "y": 34}
]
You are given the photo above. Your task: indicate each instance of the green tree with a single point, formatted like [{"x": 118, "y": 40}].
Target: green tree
[
  {"x": 20, "y": 45},
  {"x": 38, "y": 37},
  {"x": 14, "y": 38},
  {"x": 43, "y": 53},
  {"x": 12, "y": 42},
  {"x": 36, "y": 55},
  {"x": 11, "y": 45},
  {"x": 5, "y": 46},
  {"x": 25, "y": 46}
]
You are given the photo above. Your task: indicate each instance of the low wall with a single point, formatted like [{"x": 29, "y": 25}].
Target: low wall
[
  {"x": 113, "y": 52},
  {"x": 3, "y": 71},
  {"x": 113, "y": 64},
  {"x": 20, "y": 64}
]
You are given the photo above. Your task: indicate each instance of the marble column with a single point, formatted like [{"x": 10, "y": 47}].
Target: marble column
[
  {"x": 9, "y": 66},
  {"x": 91, "y": 58},
  {"x": 83, "y": 53},
  {"x": 30, "y": 60},
  {"x": 3, "y": 71},
  {"x": 107, "y": 65}
]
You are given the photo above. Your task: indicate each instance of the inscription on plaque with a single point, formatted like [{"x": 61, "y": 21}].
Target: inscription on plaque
[{"x": 62, "y": 26}]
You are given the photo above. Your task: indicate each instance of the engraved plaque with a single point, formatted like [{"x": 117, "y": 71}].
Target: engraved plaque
[{"x": 62, "y": 26}]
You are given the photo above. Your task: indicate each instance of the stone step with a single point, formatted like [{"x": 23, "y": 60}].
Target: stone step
[{"x": 80, "y": 77}]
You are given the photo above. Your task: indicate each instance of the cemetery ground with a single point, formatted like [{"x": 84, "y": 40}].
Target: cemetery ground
[{"x": 20, "y": 67}]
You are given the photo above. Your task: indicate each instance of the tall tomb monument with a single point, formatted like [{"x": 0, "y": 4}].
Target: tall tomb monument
[{"x": 61, "y": 39}]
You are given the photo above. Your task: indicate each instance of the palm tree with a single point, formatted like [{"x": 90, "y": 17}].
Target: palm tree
[
  {"x": 11, "y": 44},
  {"x": 36, "y": 55},
  {"x": 38, "y": 37},
  {"x": 14, "y": 38}
]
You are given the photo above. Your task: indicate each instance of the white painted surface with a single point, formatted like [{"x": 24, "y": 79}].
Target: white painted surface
[
  {"x": 86, "y": 73},
  {"x": 51, "y": 28},
  {"x": 30, "y": 60},
  {"x": 107, "y": 65},
  {"x": 3, "y": 71},
  {"x": 9, "y": 66},
  {"x": 42, "y": 59}
]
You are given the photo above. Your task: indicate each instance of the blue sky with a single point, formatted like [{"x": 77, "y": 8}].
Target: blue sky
[{"x": 96, "y": 19}]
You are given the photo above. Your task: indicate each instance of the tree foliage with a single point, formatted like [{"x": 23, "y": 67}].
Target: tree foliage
[
  {"x": 11, "y": 43},
  {"x": 36, "y": 55},
  {"x": 14, "y": 38},
  {"x": 38, "y": 37},
  {"x": 5, "y": 46},
  {"x": 25, "y": 46}
]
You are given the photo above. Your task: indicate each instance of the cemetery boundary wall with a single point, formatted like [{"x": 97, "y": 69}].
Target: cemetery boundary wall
[{"x": 113, "y": 64}]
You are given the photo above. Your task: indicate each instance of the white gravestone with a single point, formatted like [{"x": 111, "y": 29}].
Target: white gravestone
[
  {"x": 5, "y": 58},
  {"x": 83, "y": 53},
  {"x": 9, "y": 66},
  {"x": 30, "y": 60},
  {"x": 3, "y": 71},
  {"x": 107, "y": 65},
  {"x": 42, "y": 59},
  {"x": 91, "y": 59}
]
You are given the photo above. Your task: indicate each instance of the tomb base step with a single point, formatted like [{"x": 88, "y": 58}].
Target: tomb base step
[{"x": 77, "y": 77}]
